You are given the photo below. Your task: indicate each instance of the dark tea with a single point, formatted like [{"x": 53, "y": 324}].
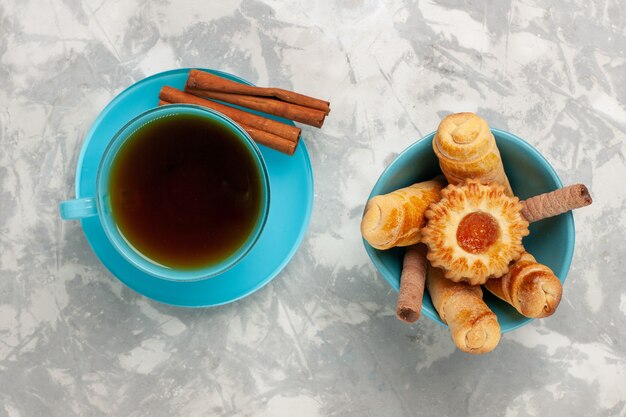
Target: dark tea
[{"x": 185, "y": 191}]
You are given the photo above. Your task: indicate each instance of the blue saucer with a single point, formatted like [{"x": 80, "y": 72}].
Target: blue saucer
[{"x": 290, "y": 177}]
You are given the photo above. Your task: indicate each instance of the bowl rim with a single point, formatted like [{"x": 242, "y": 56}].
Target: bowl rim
[{"x": 387, "y": 275}]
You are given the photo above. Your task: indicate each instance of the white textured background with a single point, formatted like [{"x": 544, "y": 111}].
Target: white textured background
[{"x": 321, "y": 339}]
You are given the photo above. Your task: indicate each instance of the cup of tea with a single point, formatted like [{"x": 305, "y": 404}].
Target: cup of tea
[{"x": 182, "y": 193}]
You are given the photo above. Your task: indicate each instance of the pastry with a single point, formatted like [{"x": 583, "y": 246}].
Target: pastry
[
  {"x": 473, "y": 326},
  {"x": 412, "y": 282},
  {"x": 474, "y": 232},
  {"x": 466, "y": 149},
  {"x": 556, "y": 202},
  {"x": 395, "y": 219},
  {"x": 530, "y": 287}
]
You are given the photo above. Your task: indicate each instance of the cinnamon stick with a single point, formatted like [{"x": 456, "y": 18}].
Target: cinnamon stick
[
  {"x": 207, "y": 81},
  {"x": 270, "y": 140},
  {"x": 262, "y": 137},
  {"x": 555, "y": 202},
  {"x": 306, "y": 115},
  {"x": 283, "y": 130},
  {"x": 412, "y": 283}
]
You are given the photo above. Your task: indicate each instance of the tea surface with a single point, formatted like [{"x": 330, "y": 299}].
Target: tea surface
[{"x": 185, "y": 192}]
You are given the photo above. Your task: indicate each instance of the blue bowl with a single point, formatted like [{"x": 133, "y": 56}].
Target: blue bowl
[{"x": 551, "y": 241}]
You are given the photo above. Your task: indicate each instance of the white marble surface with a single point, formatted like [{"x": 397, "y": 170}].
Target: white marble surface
[{"x": 321, "y": 339}]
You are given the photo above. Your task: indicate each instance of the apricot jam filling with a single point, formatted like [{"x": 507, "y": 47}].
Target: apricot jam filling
[{"x": 477, "y": 231}]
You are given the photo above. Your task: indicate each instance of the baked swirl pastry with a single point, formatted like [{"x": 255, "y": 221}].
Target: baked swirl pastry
[
  {"x": 473, "y": 326},
  {"x": 395, "y": 219},
  {"x": 474, "y": 232},
  {"x": 467, "y": 149},
  {"x": 530, "y": 287}
]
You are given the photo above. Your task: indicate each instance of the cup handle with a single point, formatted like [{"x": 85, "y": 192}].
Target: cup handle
[{"x": 78, "y": 208}]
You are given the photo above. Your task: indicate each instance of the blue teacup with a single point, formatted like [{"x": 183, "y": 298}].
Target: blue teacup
[{"x": 100, "y": 204}]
